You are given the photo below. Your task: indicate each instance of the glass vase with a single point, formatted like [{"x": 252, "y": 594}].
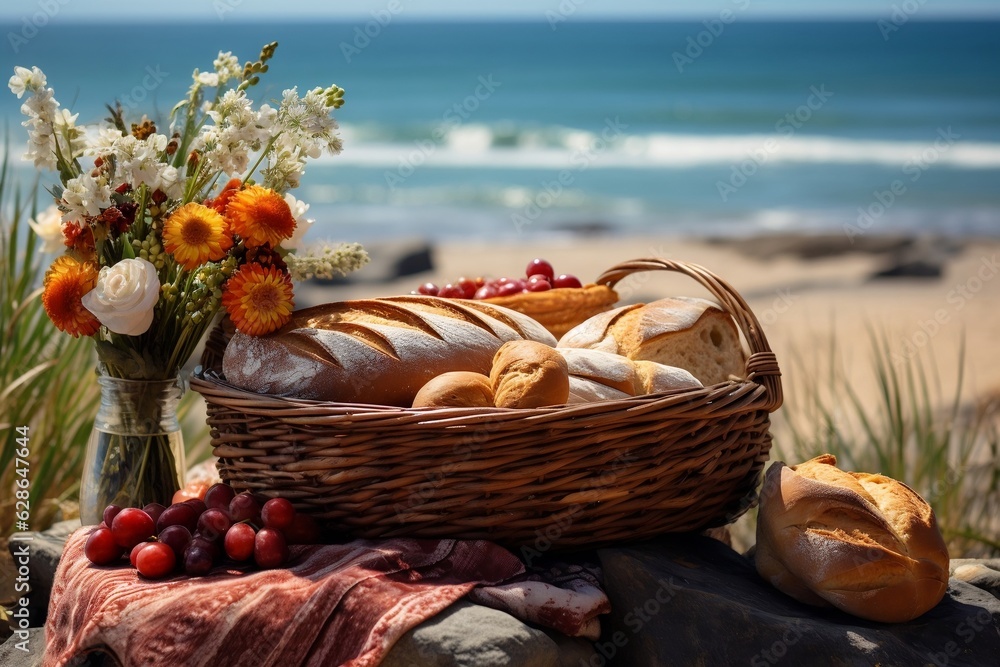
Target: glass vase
[{"x": 135, "y": 454}]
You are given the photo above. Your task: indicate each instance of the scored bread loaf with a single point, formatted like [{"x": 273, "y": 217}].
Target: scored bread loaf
[
  {"x": 686, "y": 332},
  {"x": 864, "y": 543},
  {"x": 378, "y": 351},
  {"x": 626, "y": 377},
  {"x": 582, "y": 390},
  {"x": 529, "y": 374}
]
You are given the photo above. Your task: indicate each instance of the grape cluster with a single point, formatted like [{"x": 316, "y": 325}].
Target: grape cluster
[
  {"x": 194, "y": 535},
  {"x": 538, "y": 277}
]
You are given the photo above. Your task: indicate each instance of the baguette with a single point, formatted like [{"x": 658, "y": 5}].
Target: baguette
[{"x": 378, "y": 351}]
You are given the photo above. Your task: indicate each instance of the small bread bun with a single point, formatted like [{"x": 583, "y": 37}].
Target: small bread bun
[
  {"x": 528, "y": 374},
  {"x": 864, "y": 543},
  {"x": 612, "y": 370},
  {"x": 456, "y": 389},
  {"x": 686, "y": 332},
  {"x": 582, "y": 390},
  {"x": 654, "y": 378}
]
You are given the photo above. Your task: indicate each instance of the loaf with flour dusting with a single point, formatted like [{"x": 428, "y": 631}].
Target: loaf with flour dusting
[{"x": 379, "y": 351}]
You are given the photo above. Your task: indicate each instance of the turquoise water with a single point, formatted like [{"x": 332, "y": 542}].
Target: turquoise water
[{"x": 506, "y": 129}]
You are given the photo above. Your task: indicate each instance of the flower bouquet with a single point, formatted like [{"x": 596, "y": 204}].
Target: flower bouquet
[{"x": 162, "y": 232}]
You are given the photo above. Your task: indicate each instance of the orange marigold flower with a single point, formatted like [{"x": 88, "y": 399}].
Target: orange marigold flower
[
  {"x": 260, "y": 215},
  {"x": 66, "y": 281},
  {"x": 258, "y": 299},
  {"x": 195, "y": 234},
  {"x": 222, "y": 199}
]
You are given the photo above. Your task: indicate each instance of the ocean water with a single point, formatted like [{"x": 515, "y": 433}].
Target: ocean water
[{"x": 503, "y": 130}]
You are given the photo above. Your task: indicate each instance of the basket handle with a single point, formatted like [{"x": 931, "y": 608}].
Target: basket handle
[{"x": 762, "y": 365}]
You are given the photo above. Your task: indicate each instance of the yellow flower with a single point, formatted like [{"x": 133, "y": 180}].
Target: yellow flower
[
  {"x": 195, "y": 234},
  {"x": 66, "y": 281},
  {"x": 260, "y": 215},
  {"x": 258, "y": 299}
]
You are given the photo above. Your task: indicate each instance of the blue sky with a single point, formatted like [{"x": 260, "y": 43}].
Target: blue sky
[{"x": 110, "y": 10}]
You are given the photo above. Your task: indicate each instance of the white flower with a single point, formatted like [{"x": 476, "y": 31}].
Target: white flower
[
  {"x": 210, "y": 79},
  {"x": 227, "y": 66},
  {"x": 325, "y": 261},
  {"x": 302, "y": 224},
  {"x": 25, "y": 79},
  {"x": 125, "y": 296},
  {"x": 49, "y": 228},
  {"x": 85, "y": 196}
]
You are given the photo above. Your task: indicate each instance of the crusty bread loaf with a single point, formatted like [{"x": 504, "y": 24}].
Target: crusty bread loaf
[
  {"x": 374, "y": 350},
  {"x": 456, "y": 389},
  {"x": 626, "y": 377},
  {"x": 864, "y": 543},
  {"x": 560, "y": 309},
  {"x": 582, "y": 390},
  {"x": 689, "y": 333},
  {"x": 529, "y": 374}
]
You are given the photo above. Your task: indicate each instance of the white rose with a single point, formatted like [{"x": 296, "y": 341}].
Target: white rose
[
  {"x": 302, "y": 224},
  {"x": 48, "y": 227},
  {"x": 125, "y": 296}
]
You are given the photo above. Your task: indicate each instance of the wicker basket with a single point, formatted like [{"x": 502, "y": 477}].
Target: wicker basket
[{"x": 548, "y": 478}]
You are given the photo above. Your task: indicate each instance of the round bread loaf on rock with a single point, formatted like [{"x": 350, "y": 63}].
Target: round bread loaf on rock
[
  {"x": 686, "y": 332},
  {"x": 866, "y": 544},
  {"x": 529, "y": 374},
  {"x": 379, "y": 351}
]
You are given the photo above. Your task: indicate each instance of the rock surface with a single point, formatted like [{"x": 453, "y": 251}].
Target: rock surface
[
  {"x": 13, "y": 653},
  {"x": 984, "y": 574},
  {"x": 470, "y": 635},
  {"x": 693, "y": 601}
]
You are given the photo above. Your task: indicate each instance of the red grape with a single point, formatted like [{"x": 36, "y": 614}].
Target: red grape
[
  {"x": 219, "y": 496},
  {"x": 513, "y": 287},
  {"x": 468, "y": 287},
  {"x": 110, "y": 512},
  {"x": 154, "y": 510},
  {"x": 538, "y": 283},
  {"x": 451, "y": 291},
  {"x": 213, "y": 524},
  {"x": 567, "y": 280},
  {"x": 428, "y": 289},
  {"x": 480, "y": 281},
  {"x": 304, "y": 530},
  {"x": 243, "y": 507},
  {"x": 198, "y": 504},
  {"x": 485, "y": 292},
  {"x": 155, "y": 560},
  {"x": 277, "y": 513},
  {"x": 539, "y": 267},
  {"x": 239, "y": 541},
  {"x": 269, "y": 548},
  {"x": 177, "y": 538},
  {"x": 102, "y": 548},
  {"x": 135, "y": 552},
  {"x": 198, "y": 559},
  {"x": 132, "y": 526},
  {"x": 179, "y": 514}
]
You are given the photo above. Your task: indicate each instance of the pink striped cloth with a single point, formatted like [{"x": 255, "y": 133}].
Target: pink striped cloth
[{"x": 331, "y": 605}]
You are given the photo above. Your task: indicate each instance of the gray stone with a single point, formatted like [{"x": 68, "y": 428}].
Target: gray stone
[
  {"x": 981, "y": 573},
  {"x": 470, "y": 635},
  {"x": 13, "y": 653},
  {"x": 690, "y": 600},
  {"x": 44, "y": 551}
]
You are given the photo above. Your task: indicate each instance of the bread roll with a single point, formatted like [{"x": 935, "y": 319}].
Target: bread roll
[
  {"x": 689, "y": 333},
  {"x": 582, "y": 390},
  {"x": 529, "y": 374},
  {"x": 374, "y": 350},
  {"x": 864, "y": 543},
  {"x": 456, "y": 389}
]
